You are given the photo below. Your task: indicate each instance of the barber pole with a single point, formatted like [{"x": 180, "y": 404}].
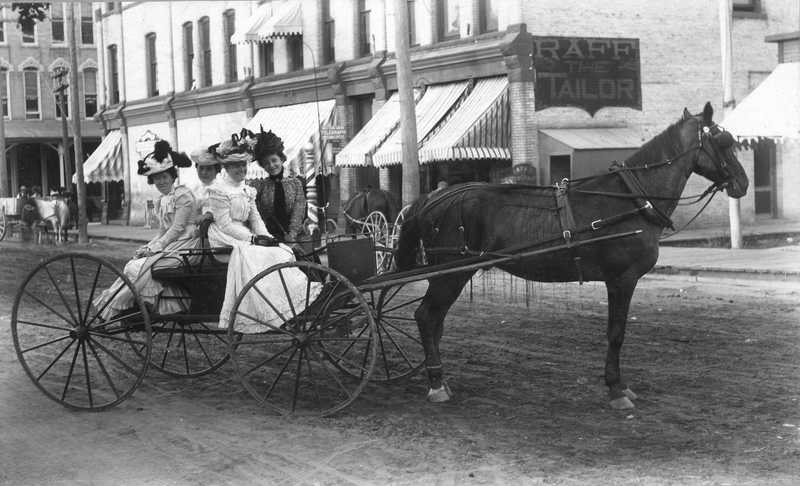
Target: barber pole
[{"x": 311, "y": 187}]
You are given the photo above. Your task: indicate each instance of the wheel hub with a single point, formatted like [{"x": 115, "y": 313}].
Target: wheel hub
[{"x": 81, "y": 332}]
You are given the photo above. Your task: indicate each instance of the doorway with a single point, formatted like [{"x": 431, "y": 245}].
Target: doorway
[
  {"x": 764, "y": 184},
  {"x": 560, "y": 168}
]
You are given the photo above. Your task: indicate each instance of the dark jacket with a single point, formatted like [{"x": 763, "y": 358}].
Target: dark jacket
[{"x": 295, "y": 205}]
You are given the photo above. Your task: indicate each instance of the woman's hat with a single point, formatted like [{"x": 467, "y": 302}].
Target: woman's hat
[
  {"x": 206, "y": 157},
  {"x": 162, "y": 158},
  {"x": 232, "y": 150},
  {"x": 268, "y": 143}
]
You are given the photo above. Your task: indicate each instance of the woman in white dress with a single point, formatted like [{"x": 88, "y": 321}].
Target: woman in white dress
[
  {"x": 175, "y": 210},
  {"x": 237, "y": 224},
  {"x": 208, "y": 167}
]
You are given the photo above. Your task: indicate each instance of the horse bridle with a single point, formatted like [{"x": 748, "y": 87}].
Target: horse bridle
[{"x": 718, "y": 140}]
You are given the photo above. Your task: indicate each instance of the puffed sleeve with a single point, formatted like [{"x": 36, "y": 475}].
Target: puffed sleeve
[
  {"x": 183, "y": 201},
  {"x": 219, "y": 204},
  {"x": 298, "y": 211},
  {"x": 253, "y": 216}
]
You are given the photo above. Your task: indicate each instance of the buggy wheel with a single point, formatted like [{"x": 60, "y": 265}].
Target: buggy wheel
[
  {"x": 3, "y": 224},
  {"x": 376, "y": 227},
  {"x": 187, "y": 349},
  {"x": 303, "y": 324},
  {"x": 69, "y": 348}
]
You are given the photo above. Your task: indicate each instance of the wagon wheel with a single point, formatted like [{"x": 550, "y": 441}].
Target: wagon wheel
[
  {"x": 70, "y": 348},
  {"x": 3, "y": 224},
  {"x": 291, "y": 357},
  {"x": 187, "y": 349},
  {"x": 376, "y": 227}
]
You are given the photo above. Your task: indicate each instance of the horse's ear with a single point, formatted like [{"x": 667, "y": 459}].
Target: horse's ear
[
  {"x": 708, "y": 113},
  {"x": 686, "y": 114}
]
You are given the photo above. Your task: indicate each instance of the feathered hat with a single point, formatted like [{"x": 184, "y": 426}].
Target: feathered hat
[
  {"x": 233, "y": 149},
  {"x": 162, "y": 158},
  {"x": 207, "y": 156},
  {"x": 268, "y": 143}
]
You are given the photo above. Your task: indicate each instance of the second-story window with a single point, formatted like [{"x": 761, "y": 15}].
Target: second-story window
[
  {"x": 447, "y": 19},
  {"x": 90, "y": 92},
  {"x": 294, "y": 45},
  {"x": 4, "y": 90},
  {"x": 2, "y": 25},
  {"x": 328, "y": 33},
  {"x": 113, "y": 76},
  {"x": 29, "y": 33},
  {"x": 364, "y": 33},
  {"x": 266, "y": 56},
  {"x": 205, "y": 51},
  {"x": 57, "y": 22},
  {"x": 229, "y": 27},
  {"x": 30, "y": 78},
  {"x": 487, "y": 16},
  {"x": 412, "y": 22},
  {"x": 745, "y": 5},
  {"x": 188, "y": 56},
  {"x": 87, "y": 26},
  {"x": 152, "y": 64}
]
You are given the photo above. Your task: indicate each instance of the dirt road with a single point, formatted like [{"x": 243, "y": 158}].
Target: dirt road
[{"x": 716, "y": 367}]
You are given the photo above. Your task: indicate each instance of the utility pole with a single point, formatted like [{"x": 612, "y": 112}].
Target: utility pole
[
  {"x": 729, "y": 103},
  {"x": 83, "y": 236},
  {"x": 408, "y": 118},
  {"x": 59, "y": 76}
]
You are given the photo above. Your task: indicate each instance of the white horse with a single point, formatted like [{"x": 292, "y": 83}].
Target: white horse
[{"x": 54, "y": 212}]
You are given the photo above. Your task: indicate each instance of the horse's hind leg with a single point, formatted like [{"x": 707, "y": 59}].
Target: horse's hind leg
[
  {"x": 620, "y": 292},
  {"x": 441, "y": 294}
]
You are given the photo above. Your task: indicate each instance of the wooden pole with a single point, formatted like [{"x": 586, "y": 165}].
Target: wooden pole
[
  {"x": 408, "y": 118},
  {"x": 4, "y": 192},
  {"x": 83, "y": 236},
  {"x": 728, "y": 104}
]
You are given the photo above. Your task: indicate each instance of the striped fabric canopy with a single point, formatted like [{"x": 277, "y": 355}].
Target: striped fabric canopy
[
  {"x": 105, "y": 163},
  {"x": 271, "y": 20},
  {"x": 358, "y": 153}
]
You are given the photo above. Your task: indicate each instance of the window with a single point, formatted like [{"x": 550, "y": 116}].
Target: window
[
  {"x": 4, "y": 90},
  {"x": 328, "y": 33},
  {"x": 113, "y": 76},
  {"x": 57, "y": 22},
  {"x": 90, "y": 92},
  {"x": 87, "y": 26},
  {"x": 745, "y": 5},
  {"x": 205, "y": 52},
  {"x": 266, "y": 54},
  {"x": 229, "y": 27},
  {"x": 151, "y": 63},
  {"x": 30, "y": 77},
  {"x": 58, "y": 103},
  {"x": 188, "y": 56},
  {"x": 2, "y": 25},
  {"x": 294, "y": 44},
  {"x": 364, "y": 34},
  {"x": 487, "y": 16},
  {"x": 29, "y": 33},
  {"x": 412, "y": 22},
  {"x": 447, "y": 19}
]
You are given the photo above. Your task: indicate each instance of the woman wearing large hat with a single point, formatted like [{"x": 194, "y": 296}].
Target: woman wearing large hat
[
  {"x": 175, "y": 212},
  {"x": 237, "y": 224},
  {"x": 208, "y": 168}
]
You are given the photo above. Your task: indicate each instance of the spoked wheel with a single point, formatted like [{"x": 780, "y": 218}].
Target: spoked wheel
[
  {"x": 304, "y": 324},
  {"x": 69, "y": 346},
  {"x": 3, "y": 224},
  {"x": 400, "y": 351},
  {"x": 376, "y": 227},
  {"x": 187, "y": 349}
]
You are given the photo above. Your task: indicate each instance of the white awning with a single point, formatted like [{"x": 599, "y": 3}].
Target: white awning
[
  {"x": 434, "y": 105},
  {"x": 297, "y": 125},
  {"x": 477, "y": 130},
  {"x": 770, "y": 110},
  {"x": 105, "y": 163},
  {"x": 358, "y": 152},
  {"x": 596, "y": 138},
  {"x": 271, "y": 20}
]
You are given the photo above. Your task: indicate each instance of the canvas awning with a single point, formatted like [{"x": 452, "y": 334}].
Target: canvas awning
[
  {"x": 271, "y": 20},
  {"x": 105, "y": 163},
  {"x": 297, "y": 125},
  {"x": 434, "y": 105},
  {"x": 596, "y": 138},
  {"x": 772, "y": 109},
  {"x": 358, "y": 152},
  {"x": 477, "y": 130}
]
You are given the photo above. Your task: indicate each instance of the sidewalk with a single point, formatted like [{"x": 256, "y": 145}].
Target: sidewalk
[{"x": 782, "y": 263}]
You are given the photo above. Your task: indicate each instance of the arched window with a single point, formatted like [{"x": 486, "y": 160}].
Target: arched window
[
  {"x": 151, "y": 64},
  {"x": 228, "y": 28},
  {"x": 90, "y": 92},
  {"x": 30, "y": 78},
  {"x": 204, "y": 33},
  {"x": 188, "y": 56}
]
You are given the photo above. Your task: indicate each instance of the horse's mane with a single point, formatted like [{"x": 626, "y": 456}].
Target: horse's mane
[{"x": 664, "y": 145}]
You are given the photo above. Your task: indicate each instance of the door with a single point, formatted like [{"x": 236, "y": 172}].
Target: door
[{"x": 764, "y": 179}]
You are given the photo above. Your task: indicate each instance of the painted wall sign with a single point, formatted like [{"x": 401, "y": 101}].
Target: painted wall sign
[
  {"x": 145, "y": 143},
  {"x": 587, "y": 72}
]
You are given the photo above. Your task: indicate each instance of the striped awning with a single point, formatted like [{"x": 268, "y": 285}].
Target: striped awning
[
  {"x": 271, "y": 20},
  {"x": 434, "y": 105},
  {"x": 297, "y": 125},
  {"x": 358, "y": 153},
  {"x": 105, "y": 163},
  {"x": 477, "y": 130}
]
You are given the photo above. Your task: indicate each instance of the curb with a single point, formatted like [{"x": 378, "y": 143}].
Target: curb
[{"x": 731, "y": 273}]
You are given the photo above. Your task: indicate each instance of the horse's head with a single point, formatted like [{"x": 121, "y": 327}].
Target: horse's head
[{"x": 715, "y": 159}]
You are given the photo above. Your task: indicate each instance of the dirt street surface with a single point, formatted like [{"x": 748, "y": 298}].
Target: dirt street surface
[{"x": 716, "y": 366}]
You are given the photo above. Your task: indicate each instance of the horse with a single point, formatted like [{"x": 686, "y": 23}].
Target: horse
[
  {"x": 639, "y": 194},
  {"x": 366, "y": 201},
  {"x": 55, "y": 213}
]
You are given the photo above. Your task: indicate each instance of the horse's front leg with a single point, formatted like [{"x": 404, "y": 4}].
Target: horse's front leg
[{"x": 620, "y": 292}]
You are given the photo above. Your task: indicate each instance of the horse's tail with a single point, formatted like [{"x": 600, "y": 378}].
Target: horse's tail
[{"x": 410, "y": 234}]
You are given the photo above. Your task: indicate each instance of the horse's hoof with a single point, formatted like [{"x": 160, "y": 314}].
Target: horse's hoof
[
  {"x": 440, "y": 395},
  {"x": 629, "y": 393},
  {"x": 622, "y": 403}
]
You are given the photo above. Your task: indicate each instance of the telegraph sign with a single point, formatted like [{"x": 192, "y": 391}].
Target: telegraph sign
[{"x": 587, "y": 72}]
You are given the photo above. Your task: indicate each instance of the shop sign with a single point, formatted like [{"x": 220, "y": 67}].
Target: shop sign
[
  {"x": 587, "y": 72},
  {"x": 146, "y": 142},
  {"x": 334, "y": 133}
]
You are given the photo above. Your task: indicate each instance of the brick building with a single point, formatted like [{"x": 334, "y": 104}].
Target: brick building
[
  {"x": 193, "y": 73},
  {"x": 35, "y": 155}
]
